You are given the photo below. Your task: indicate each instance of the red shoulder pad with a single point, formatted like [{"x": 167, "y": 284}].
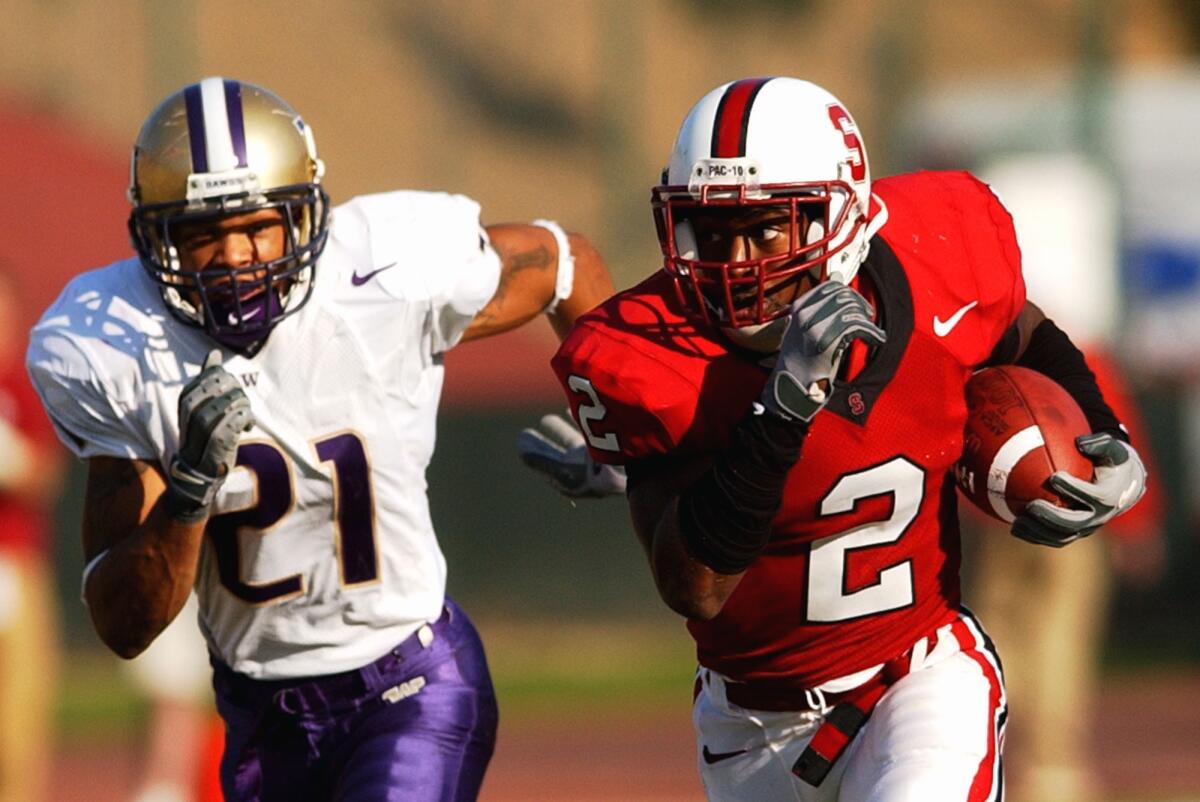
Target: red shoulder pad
[
  {"x": 632, "y": 370},
  {"x": 959, "y": 250}
]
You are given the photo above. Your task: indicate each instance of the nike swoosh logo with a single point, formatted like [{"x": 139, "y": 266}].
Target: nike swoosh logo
[
  {"x": 716, "y": 757},
  {"x": 250, "y": 315},
  {"x": 358, "y": 280},
  {"x": 943, "y": 327}
]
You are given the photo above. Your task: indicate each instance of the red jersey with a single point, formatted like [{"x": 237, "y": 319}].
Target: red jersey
[
  {"x": 863, "y": 557},
  {"x": 24, "y": 525}
]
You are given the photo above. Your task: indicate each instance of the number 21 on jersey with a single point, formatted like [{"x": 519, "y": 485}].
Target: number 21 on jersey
[{"x": 353, "y": 525}]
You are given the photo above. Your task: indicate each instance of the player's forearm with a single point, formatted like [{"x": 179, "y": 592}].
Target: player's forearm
[
  {"x": 592, "y": 284},
  {"x": 142, "y": 582},
  {"x": 1051, "y": 353},
  {"x": 686, "y": 585},
  {"x": 720, "y": 521}
]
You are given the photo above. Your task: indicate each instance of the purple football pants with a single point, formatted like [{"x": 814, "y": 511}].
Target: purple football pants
[{"x": 417, "y": 724}]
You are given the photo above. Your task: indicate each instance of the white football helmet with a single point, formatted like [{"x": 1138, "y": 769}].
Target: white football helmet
[
  {"x": 764, "y": 142},
  {"x": 221, "y": 147}
]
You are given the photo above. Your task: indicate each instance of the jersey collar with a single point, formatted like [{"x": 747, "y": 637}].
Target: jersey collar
[{"x": 854, "y": 399}]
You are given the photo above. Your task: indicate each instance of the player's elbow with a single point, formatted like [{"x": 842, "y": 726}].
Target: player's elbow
[
  {"x": 122, "y": 644},
  {"x": 689, "y": 599},
  {"x": 698, "y": 609},
  {"x": 687, "y": 586},
  {"x": 591, "y": 272},
  {"x": 128, "y": 651},
  {"x": 118, "y": 635}
]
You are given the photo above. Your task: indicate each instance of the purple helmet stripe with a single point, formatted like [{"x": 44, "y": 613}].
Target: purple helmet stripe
[
  {"x": 195, "y": 122},
  {"x": 237, "y": 124}
]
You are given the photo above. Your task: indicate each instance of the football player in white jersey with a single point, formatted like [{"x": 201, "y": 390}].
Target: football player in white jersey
[{"x": 255, "y": 396}]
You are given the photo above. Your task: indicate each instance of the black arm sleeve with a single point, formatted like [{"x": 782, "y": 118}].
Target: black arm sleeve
[
  {"x": 1005, "y": 352},
  {"x": 725, "y": 516},
  {"x": 1050, "y": 351}
]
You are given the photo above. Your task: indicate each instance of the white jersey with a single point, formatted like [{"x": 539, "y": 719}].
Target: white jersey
[{"x": 320, "y": 554}]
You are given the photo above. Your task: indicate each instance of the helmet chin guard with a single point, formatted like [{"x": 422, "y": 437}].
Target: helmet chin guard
[{"x": 755, "y": 144}]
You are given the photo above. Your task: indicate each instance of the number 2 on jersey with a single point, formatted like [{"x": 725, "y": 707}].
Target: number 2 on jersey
[
  {"x": 593, "y": 412},
  {"x": 828, "y": 599},
  {"x": 353, "y": 516}
]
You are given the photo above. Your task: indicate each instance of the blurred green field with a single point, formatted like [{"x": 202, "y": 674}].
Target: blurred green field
[
  {"x": 542, "y": 669},
  {"x": 603, "y": 669},
  {"x": 569, "y": 690}
]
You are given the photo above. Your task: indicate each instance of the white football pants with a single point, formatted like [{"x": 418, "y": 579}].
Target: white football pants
[{"x": 935, "y": 736}]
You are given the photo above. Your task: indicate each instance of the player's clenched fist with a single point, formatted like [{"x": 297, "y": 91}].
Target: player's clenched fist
[
  {"x": 823, "y": 323},
  {"x": 213, "y": 412}
]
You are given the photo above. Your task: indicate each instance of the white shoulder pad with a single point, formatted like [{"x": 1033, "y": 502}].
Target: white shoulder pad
[{"x": 86, "y": 379}]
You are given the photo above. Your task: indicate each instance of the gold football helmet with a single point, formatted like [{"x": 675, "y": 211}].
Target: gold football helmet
[{"x": 223, "y": 147}]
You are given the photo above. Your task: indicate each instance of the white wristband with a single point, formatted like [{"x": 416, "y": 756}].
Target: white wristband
[
  {"x": 565, "y": 281},
  {"x": 87, "y": 572}
]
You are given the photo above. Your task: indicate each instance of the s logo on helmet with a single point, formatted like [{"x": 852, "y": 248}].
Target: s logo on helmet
[{"x": 843, "y": 123}]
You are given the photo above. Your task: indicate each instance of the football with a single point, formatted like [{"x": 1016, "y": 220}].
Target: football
[{"x": 1021, "y": 428}]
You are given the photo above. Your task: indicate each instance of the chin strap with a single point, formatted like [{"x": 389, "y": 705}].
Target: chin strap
[{"x": 877, "y": 217}]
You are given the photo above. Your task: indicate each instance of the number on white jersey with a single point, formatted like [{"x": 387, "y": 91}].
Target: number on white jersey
[{"x": 353, "y": 518}]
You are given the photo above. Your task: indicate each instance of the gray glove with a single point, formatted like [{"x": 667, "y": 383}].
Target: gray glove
[
  {"x": 213, "y": 412},
  {"x": 558, "y": 452},
  {"x": 823, "y": 323},
  {"x": 1120, "y": 482}
]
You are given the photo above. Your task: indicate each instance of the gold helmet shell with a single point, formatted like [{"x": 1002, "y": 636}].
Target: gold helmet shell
[{"x": 221, "y": 147}]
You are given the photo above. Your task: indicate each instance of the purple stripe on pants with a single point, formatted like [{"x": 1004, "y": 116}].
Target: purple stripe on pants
[{"x": 339, "y": 737}]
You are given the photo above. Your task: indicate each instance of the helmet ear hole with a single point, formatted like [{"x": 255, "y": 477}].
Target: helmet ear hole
[
  {"x": 816, "y": 232},
  {"x": 685, "y": 240}
]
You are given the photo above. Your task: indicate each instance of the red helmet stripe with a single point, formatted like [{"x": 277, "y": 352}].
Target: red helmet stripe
[{"x": 733, "y": 118}]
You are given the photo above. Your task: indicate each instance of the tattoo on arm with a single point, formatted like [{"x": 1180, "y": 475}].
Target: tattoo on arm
[
  {"x": 514, "y": 261},
  {"x": 537, "y": 258}
]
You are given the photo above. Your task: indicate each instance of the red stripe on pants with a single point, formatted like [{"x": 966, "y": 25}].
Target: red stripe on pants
[{"x": 983, "y": 787}]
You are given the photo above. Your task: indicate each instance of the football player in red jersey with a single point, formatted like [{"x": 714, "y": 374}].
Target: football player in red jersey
[{"x": 786, "y": 399}]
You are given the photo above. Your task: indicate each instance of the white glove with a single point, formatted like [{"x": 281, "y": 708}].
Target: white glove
[
  {"x": 823, "y": 323},
  {"x": 213, "y": 413},
  {"x": 558, "y": 452},
  {"x": 1120, "y": 482}
]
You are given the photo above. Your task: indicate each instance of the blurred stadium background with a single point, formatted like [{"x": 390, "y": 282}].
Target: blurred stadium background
[{"x": 567, "y": 109}]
